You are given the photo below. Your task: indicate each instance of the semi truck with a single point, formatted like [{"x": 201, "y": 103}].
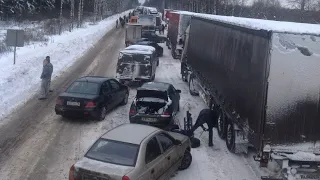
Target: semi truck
[
  {"x": 178, "y": 23},
  {"x": 264, "y": 76}
]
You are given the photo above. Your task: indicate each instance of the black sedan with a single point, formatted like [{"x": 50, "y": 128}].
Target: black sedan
[
  {"x": 159, "y": 49},
  {"x": 91, "y": 96},
  {"x": 155, "y": 104}
]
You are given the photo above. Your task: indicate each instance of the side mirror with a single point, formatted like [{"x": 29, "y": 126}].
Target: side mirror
[
  {"x": 178, "y": 91},
  {"x": 177, "y": 142}
]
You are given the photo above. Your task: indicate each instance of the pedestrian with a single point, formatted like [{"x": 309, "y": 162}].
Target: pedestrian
[
  {"x": 117, "y": 23},
  {"x": 163, "y": 28},
  {"x": 46, "y": 78},
  {"x": 210, "y": 117}
]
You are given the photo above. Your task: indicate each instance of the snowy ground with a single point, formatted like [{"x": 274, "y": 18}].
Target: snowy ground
[{"x": 21, "y": 81}]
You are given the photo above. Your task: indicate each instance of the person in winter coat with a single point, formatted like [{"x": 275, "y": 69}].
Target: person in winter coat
[
  {"x": 210, "y": 117},
  {"x": 46, "y": 78}
]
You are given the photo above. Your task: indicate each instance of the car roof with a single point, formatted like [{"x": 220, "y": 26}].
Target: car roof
[
  {"x": 144, "y": 42},
  {"x": 130, "y": 133},
  {"x": 160, "y": 86},
  {"x": 139, "y": 49},
  {"x": 95, "y": 79}
]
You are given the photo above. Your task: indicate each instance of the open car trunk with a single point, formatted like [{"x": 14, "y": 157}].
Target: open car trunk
[
  {"x": 151, "y": 102},
  {"x": 151, "y": 107}
]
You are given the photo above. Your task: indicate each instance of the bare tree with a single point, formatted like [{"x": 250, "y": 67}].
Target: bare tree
[
  {"x": 71, "y": 14},
  {"x": 79, "y": 13},
  {"x": 60, "y": 17}
]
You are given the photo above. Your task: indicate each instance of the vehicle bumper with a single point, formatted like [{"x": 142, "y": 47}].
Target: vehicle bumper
[
  {"x": 144, "y": 78},
  {"x": 64, "y": 111},
  {"x": 160, "y": 122}
]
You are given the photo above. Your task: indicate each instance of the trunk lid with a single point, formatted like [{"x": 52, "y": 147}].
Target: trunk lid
[
  {"x": 89, "y": 169},
  {"x": 76, "y": 101}
]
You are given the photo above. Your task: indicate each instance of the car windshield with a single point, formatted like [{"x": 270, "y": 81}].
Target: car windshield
[
  {"x": 147, "y": 94},
  {"x": 114, "y": 152},
  {"x": 83, "y": 87}
]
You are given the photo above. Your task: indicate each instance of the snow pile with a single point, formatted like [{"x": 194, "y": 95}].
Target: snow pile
[
  {"x": 19, "y": 82},
  {"x": 260, "y": 24}
]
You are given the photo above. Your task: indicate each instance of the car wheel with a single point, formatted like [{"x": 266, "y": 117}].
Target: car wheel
[
  {"x": 186, "y": 160},
  {"x": 230, "y": 139},
  {"x": 221, "y": 126},
  {"x": 178, "y": 107},
  {"x": 125, "y": 99},
  {"x": 103, "y": 114}
]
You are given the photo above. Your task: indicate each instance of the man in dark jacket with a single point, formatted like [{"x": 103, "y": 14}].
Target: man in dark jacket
[
  {"x": 46, "y": 78},
  {"x": 210, "y": 117}
]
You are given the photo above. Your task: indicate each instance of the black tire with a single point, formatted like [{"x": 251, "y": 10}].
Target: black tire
[
  {"x": 178, "y": 106},
  {"x": 230, "y": 138},
  {"x": 195, "y": 142},
  {"x": 102, "y": 114},
  {"x": 125, "y": 99},
  {"x": 221, "y": 126},
  {"x": 186, "y": 161},
  {"x": 193, "y": 93}
]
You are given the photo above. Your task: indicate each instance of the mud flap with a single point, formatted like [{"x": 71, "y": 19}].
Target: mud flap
[{"x": 241, "y": 142}]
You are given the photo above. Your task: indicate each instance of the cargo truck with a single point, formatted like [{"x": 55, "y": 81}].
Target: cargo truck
[
  {"x": 178, "y": 23},
  {"x": 265, "y": 77},
  {"x": 133, "y": 33}
]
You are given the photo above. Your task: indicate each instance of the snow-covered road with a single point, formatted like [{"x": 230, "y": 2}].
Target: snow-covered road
[{"x": 51, "y": 144}]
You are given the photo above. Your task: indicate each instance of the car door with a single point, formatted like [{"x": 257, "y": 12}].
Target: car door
[
  {"x": 154, "y": 161},
  {"x": 107, "y": 96},
  {"x": 169, "y": 152},
  {"x": 116, "y": 92}
]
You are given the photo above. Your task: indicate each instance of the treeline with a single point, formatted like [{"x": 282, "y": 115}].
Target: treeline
[
  {"x": 299, "y": 11},
  {"x": 47, "y": 9}
]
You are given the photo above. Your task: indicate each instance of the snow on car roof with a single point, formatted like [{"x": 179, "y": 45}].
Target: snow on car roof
[
  {"x": 261, "y": 24},
  {"x": 159, "y": 86},
  {"x": 130, "y": 133},
  {"x": 139, "y": 49}
]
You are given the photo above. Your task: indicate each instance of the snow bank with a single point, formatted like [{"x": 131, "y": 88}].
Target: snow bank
[
  {"x": 260, "y": 24},
  {"x": 19, "y": 82}
]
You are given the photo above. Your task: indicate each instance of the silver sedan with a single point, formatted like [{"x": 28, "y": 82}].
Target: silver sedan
[{"x": 134, "y": 152}]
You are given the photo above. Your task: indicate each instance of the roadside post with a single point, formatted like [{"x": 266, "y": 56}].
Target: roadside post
[{"x": 15, "y": 37}]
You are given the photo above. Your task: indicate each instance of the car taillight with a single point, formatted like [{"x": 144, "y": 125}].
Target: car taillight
[
  {"x": 125, "y": 178},
  {"x": 72, "y": 173},
  {"x": 165, "y": 114},
  {"x": 132, "y": 112},
  {"x": 91, "y": 105},
  {"x": 59, "y": 101}
]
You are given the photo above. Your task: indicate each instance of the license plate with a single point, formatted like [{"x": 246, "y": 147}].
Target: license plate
[
  {"x": 149, "y": 119},
  {"x": 71, "y": 103}
]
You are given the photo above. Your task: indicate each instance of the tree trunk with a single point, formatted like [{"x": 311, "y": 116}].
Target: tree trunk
[
  {"x": 79, "y": 14},
  {"x": 71, "y": 14},
  {"x": 60, "y": 17}
]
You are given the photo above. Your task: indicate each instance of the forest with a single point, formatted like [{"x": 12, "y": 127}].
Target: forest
[{"x": 284, "y": 10}]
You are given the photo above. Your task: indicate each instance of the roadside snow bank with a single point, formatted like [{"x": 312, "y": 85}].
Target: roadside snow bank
[{"x": 20, "y": 82}]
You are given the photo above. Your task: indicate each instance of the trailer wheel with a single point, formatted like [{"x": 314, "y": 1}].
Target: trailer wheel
[
  {"x": 230, "y": 139},
  {"x": 221, "y": 125},
  {"x": 191, "y": 86}
]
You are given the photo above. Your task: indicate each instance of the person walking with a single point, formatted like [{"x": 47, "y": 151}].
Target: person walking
[
  {"x": 117, "y": 23},
  {"x": 46, "y": 78},
  {"x": 210, "y": 117}
]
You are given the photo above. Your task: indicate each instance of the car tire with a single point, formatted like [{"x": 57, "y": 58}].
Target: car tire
[
  {"x": 125, "y": 99},
  {"x": 102, "y": 114},
  {"x": 178, "y": 107},
  {"x": 195, "y": 142},
  {"x": 230, "y": 138},
  {"x": 186, "y": 160}
]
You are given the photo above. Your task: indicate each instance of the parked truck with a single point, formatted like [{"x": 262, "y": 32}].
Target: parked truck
[
  {"x": 133, "y": 33},
  {"x": 178, "y": 23},
  {"x": 266, "y": 80}
]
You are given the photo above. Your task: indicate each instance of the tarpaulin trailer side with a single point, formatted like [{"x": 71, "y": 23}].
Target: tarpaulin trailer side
[
  {"x": 173, "y": 28},
  {"x": 267, "y": 85},
  {"x": 232, "y": 63}
]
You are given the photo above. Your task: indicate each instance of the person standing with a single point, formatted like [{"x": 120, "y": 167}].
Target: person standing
[
  {"x": 117, "y": 23},
  {"x": 210, "y": 117},
  {"x": 46, "y": 78}
]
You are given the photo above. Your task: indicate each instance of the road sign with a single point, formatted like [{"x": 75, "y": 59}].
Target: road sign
[{"x": 15, "y": 37}]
